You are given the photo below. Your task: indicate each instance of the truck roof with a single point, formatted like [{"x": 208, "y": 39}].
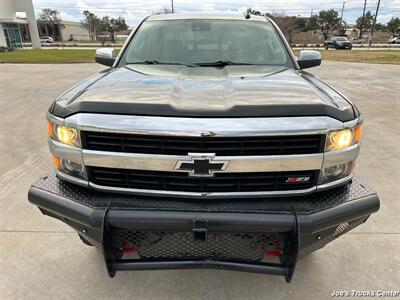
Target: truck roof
[{"x": 205, "y": 16}]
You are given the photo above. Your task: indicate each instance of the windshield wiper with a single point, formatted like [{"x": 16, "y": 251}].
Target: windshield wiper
[
  {"x": 148, "y": 62},
  {"x": 221, "y": 63},
  {"x": 156, "y": 62}
]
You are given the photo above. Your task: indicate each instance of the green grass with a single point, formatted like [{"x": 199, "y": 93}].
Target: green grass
[
  {"x": 65, "y": 56},
  {"x": 364, "y": 56},
  {"x": 48, "y": 56}
]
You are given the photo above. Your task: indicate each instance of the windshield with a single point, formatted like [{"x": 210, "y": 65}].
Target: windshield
[
  {"x": 340, "y": 39},
  {"x": 196, "y": 42}
]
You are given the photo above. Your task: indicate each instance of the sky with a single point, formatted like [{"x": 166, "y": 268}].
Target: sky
[{"x": 135, "y": 10}]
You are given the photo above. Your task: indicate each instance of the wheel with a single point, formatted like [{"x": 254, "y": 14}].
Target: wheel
[{"x": 85, "y": 241}]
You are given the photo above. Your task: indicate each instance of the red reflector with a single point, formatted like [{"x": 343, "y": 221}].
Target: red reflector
[
  {"x": 272, "y": 247},
  {"x": 128, "y": 250},
  {"x": 273, "y": 253}
]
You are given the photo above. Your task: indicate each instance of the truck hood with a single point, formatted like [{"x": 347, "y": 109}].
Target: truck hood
[{"x": 233, "y": 91}]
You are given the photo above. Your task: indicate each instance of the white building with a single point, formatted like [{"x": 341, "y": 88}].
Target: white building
[
  {"x": 63, "y": 31},
  {"x": 74, "y": 31},
  {"x": 18, "y": 23}
]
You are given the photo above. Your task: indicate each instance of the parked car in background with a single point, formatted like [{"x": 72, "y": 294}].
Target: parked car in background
[
  {"x": 357, "y": 40},
  {"x": 394, "y": 40},
  {"x": 46, "y": 39},
  {"x": 338, "y": 42}
]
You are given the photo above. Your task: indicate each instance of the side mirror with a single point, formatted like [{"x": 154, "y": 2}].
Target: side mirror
[
  {"x": 309, "y": 59},
  {"x": 105, "y": 56}
]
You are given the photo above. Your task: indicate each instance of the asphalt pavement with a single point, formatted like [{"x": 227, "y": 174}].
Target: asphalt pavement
[{"x": 41, "y": 258}]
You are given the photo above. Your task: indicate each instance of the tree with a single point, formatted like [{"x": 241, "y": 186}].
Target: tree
[
  {"x": 325, "y": 22},
  {"x": 365, "y": 23},
  {"x": 162, "y": 11},
  {"x": 290, "y": 25},
  {"x": 112, "y": 25},
  {"x": 52, "y": 17},
  {"x": 380, "y": 27},
  {"x": 296, "y": 25},
  {"x": 92, "y": 23},
  {"x": 393, "y": 25}
]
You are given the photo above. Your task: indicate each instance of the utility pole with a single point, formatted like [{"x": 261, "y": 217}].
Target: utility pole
[
  {"x": 341, "y": 15},
  {"x": 312, "y": 32},
  {"x": 341, "y": 18},
  {"x": 362, "y": 20},
  {"x": 371, "y": 35},
  {"x": 172, "y": 6}
]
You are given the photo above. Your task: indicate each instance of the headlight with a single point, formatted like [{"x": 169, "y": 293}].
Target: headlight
[
  {"x": 65, "y": 135},
  {"x": 340, "y": 139}
]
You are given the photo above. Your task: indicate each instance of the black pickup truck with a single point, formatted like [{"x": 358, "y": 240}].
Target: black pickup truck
[{"x": 205, "y": 145}]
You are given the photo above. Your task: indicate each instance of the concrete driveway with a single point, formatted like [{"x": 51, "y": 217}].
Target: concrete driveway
[{"x": 42, "y": 258}]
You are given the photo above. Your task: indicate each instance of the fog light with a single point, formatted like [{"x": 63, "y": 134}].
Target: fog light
[
  {"x": 71, "y": 167},
  {"x": 337, "y": 172}
]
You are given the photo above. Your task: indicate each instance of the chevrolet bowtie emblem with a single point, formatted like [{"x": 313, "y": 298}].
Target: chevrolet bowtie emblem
[{"x": 201, "y": 164}]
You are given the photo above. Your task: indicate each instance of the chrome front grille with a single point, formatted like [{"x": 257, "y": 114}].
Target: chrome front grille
[
  {"x": 165, "y": 176},
  {"x": 235, "y": 157},
  {"x": 182, "y": 145},
  {"x": 220, "y": 183}
]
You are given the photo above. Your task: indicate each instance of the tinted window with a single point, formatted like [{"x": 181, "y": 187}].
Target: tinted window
[
  {"x": 204, "y": 41},
  {"x": 340, "y": 38}
]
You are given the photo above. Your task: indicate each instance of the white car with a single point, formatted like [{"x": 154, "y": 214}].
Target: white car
[
  {"x": 357, "y": 41},
  {"x": 46, "y": 39},
  {"x": 394, "y": 40}
]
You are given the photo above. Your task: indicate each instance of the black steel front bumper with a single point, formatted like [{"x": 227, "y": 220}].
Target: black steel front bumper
[{"x": 234, "y": 234}]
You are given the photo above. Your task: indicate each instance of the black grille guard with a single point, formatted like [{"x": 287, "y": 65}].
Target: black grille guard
[
  {"x": 306, "y": 230},
  {"x": 113, "y": 261}
]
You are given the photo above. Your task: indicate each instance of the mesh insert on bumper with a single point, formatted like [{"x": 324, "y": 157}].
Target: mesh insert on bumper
[{"x": 218, "y": 245}]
